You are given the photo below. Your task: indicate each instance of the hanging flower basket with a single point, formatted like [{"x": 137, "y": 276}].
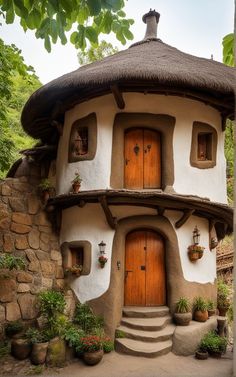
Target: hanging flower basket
[
  {"x": 102, "y": 261},
  {"x": 195, "y": 252}
]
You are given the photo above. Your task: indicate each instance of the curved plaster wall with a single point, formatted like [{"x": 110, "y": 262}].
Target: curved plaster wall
[
  {"x": 89, "y": 223},
  {"x": 204, "y": 270},
  {"x": 188, "y": 180}
]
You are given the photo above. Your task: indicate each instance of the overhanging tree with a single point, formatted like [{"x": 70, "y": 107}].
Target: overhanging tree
[{"x": 53, "y": 18}]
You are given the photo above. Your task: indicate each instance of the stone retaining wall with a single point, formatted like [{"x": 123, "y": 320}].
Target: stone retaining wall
[{"x": 26, "y": 231}]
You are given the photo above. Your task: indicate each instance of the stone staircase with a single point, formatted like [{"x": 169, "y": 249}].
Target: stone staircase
[{"x": 148, "y": 331}]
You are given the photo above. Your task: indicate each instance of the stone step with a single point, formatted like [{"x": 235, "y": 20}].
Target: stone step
[
  {"x": 145, "y": 312},
  {"x": 139, "y": 348},
  {"x": 146, "y": 324},
  {"x": 149, "y": 336}
]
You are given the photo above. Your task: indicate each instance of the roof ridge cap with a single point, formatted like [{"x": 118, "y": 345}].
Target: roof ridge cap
[{"x": 146, "y": 41}]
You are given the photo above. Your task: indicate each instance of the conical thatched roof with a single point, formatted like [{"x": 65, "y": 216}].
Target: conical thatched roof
[{"x": 150, "y": 66}]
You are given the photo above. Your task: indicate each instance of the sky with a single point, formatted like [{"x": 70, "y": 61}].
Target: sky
[{"x": 193, "y": 26}]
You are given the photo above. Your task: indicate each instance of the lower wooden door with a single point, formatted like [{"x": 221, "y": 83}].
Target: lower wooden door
[{"x": 145, "y": 283}]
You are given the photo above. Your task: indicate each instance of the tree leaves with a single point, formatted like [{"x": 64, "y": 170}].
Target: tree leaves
[
  {"x": 50, "y": 19},
  {"x": 228, "y": 49}
]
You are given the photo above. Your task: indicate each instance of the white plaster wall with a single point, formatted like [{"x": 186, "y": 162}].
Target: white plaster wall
[
  {"x": 204, "y": 269},
  {"x": 89, "y": 224},
  {"x": 210, "y": 183}
]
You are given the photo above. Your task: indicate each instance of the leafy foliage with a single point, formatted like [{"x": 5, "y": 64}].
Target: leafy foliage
[
  {"x": 228, "y": 49},
  {"x": 51, "y": 19},
  {"x": 229, "y": 155},
  {"x": 11, "y": 262},
  {"x": 183, "y": 305},
  {"x": 212, "y": 342},
  {"x": 18, "y": 81},
  {"x": 36, "y": 336},
  {"x": 93, "y": 54},
  {"x": 13, "y": 328},
  {"x": 86, "y": 319},
  {"x": 73, "y": 336},
  {"x": 223, "y": 293},
  {"x": 108, "y": 344},
  {"x": 200, "y": 304},
  {"x": 51, "y": 304},
  {"x": 90, "y": 343}
]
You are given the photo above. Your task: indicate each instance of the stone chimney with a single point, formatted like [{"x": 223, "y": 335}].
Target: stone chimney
[{"x": 151, "y": 19}]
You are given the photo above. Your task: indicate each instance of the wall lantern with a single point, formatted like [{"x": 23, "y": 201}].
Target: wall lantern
[
  {"x": 102, "y": 247},
  {"x": 196, "y": 235}
]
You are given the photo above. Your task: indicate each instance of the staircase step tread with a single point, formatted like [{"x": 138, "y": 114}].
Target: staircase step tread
[
  {"x": 140, "y": 311},
  {"x": 146, "y": 322},
  {"x": 153, "y": 335},
  {"x": 144, "y": 347}
]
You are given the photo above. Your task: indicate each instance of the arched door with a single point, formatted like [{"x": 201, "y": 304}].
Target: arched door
[
  {"x": 142, "y": 156},
  {"x": 145, "y": 283}
]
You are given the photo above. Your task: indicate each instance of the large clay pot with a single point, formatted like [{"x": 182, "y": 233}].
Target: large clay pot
[
  {"x": 182, "y": 319},
  {"x": 211, "y": 312},
  {"x": 193, "y": 255},
  {"x": 93, "y": 358},
  {"x": 56, "y": 354},
  {"x": 20, "y": 348},
  {"x": 39, "y": 352},
  {"x": 200, "y": 316},
  {"x": 76, "y": 187}
]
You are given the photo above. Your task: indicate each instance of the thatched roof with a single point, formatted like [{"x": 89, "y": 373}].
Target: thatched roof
[{"x": 150, "y": 66}]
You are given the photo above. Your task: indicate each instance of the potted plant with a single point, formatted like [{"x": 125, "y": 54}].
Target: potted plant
[
  {"x": 200, "y": 310},
  {"x": 210, "y": 308},
  {"x": 183, "y": 314},
  {"x": 76, "y": 183},
  {"x": 214, "y": 344},
  {"x": 102, "y": 260},
  {"x": 14, "y": 328},
  {"x": 107, "y": 344},
  {"x": 92, "y": 348},
  {"x": 223, "y": 301},
  {"x": 39, "y": 343},
  {"x": 46, "y": 189},
  {"x": 74, "y": 270},
  {"x": 195, "y": 252}
]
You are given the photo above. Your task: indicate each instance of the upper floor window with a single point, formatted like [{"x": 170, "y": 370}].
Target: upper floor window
[
  {"x": 83, "y": 139},
  {"x": 203, "y": 146}
]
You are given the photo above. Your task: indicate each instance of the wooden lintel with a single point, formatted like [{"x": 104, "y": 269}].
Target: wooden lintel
[
  {"x": 112, "y": 221},
  {"x": 184, "y": 218},
  {"x": 118, "y": 96},
  {"x": 160, "y": 211}
]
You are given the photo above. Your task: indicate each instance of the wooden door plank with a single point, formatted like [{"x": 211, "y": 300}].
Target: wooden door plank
[
  {"x": 135, "y": 278},
  {"x": 155, "y": 270},
  {"x": 133, "y": 159},
  {"x": 152, "y": 159}
]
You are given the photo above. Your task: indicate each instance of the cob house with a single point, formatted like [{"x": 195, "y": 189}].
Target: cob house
[{"x": 144, "y": 128}]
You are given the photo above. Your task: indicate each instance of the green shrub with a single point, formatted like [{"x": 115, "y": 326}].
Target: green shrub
[
  {"x": 108, "y": 344},
  {"x": 11, "y": 262},
  {"x": 210, "y": 305},
  {"x": 73, "y": 335},
  {"x": 183, "y": 305},
  {"x": 212, "y": 342},
  {"x": 13, "y": 328},
  {"x": 120, "y": 334},
  {"x": 200, "y": 304},
  {"x": 4, "y": 348},
  {"x": 223, "y": 293},
  {"x": 35, "y": 336},
  {"x": 51, "y": 304},
  {"x": 86, "y": 319}
]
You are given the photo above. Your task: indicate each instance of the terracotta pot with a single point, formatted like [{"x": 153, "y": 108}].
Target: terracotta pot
[
  {"x": 217, "y": 355},
  {"x": 200, "y": 254},
  {"x": 193, "y": 255},
  {"x": 201, "y": 355},
  {"x": 211, "y": 312},
  {"x": 39, "y": 352},
  {"x": 20, "y": 348},
  {"x": 200, "y": 316},
  {"x": 93, "y": 358},
  {"x": 182, "y": 319},
  {"x": 76, "y": 187}
]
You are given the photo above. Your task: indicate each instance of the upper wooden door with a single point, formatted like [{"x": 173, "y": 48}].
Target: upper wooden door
[
  {"x": 144, "y": 269},
  {"x": 142, "y": 158}
]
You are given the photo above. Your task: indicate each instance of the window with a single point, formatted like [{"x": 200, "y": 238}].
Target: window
[
  {"x": 83, "y": 139},
  {"x": 203, "y": 146},
  {"x": 77, "y": 253},
  {"x": 204, "y": 151}
]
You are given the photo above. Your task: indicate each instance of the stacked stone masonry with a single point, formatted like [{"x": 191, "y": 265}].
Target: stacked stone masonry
[{"x": 26, "y": 231}]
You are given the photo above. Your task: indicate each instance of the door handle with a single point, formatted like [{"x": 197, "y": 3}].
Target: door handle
[
  {"x": 148, "y": 148},
  {"x": 143, "y": 268}
]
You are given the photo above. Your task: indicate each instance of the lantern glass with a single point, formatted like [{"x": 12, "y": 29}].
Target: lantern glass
[
  {"x": 196, "y": 236},
  {"x": 102, "y": 247}
]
